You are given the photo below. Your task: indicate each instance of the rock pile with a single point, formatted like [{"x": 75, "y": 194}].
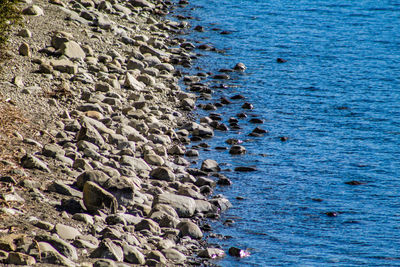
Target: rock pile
[{"x": 106, "y": 183}]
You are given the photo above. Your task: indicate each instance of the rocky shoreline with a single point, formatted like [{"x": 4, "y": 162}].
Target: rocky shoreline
[{"x": 94, "y": 133}]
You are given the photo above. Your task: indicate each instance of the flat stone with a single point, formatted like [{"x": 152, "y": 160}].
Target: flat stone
[
  {"x": 64, "y": 65},
  {"x": 66, "y": 232},
  {"x": 148, "y": 224},
  {"x": 64, "y": 189},
  {"x": 31, "y": 162},
  {"x": 174, "y": 255}
]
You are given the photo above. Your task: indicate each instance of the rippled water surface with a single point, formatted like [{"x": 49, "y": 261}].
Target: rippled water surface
[{"x": 338, "y": 100}]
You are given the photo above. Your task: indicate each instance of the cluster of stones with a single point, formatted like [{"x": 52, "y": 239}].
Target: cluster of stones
[{"x": 131, "y": 197}]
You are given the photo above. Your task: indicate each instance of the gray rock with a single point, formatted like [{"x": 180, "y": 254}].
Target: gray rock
[
  {"x": 105, "y": 262},
  {"x": 221, "y": 203},
  {"x": 33, "y": 10},
  {"x": 90, "y": 134},
  {"x": 210, "y": 165},
  {"x": 96, "y": 176},
  {"x": 211, "y": 253},
  {"x": 150, "y": 225},
  {"x": 43, "y": 225},
  {"x": 163, "y": 173},
  {"x": 108, "y": 249},
  {"x": 18, "y": 258},
  {"x": 96, "y": 198},
  {"x": 64, "y": 65},
  {"x": 66, "y": 232},
  {"x": 132, "y": 83},
  {"x": 136, "y": 163},
  {"x": 62, "y": 246},
  {"x": 83, "y": 217},
  {"x": 203, "y": 206},
  {"x": 154, "y": 159},
  {"x": 237, "y": 150},
  {"x": 184, "y": 206},
  {"x": 141, "y": 3},
  {"x": 133, "y": 255},
  {"x": 156, "y": 255},
  {"x": 62, "y": 188},
  {"x": 26, "y": 33},
  {"x": 52, "y": 150},
  {"x": 188, "y": 228},
  {"x": 31, "y": 162},
  {"x": 174, "y": 255},
  {"x": 72, "y": 49}
]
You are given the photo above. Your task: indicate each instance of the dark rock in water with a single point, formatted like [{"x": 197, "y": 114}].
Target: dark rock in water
[
  {"x": 218, "y": 105},
  {"x": 211, "y": 253},
  {"x": 225, "y": 32},
  {"x": 196, "y": 172},
  {"x": 239, "y": 198},
  {"x": 241, "y": 115},
  {"x": 237, "y": 150},
  {"x": 229, "y": 222},
  {"x": 236, "y": 97},
  {"x": 281, "y": 60},
  {"x": 247, "y": 105},
  {"x": 221, "y": 148},
  {"x": 245, "y": 169},
  {"x": 317, "y": 199},
  {"x": 237, "y": 252},
  {"x": 225, "y": 101},
  {"x": 233, "y": 141},
  {"x": 221, "y": 77},
  {"x": 225, "y": 70},
  {"x": 232, "y": 119},
  {"x": 284, "y": 138},
  {"x": 183, "y": 2},
  {"x": 255, "y": 134},
  {"x": 240, "y": 67},
  {"x": 199, "y": 28},
  {"x": 222, "y": 127},
  {"x": 205, "y": 47},
  {"x": 215, "y": 116},
  {"x": 354, "y": 183},
  {"x": 224, "y": 181},
  {"x": 259, "y": 130},
  {"x": 331, "y": 214},
  {"x": 255, "y": 120}
]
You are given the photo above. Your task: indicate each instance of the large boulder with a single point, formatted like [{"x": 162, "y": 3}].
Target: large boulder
[
  {"x": 184, "y": 206},
  {"x": 96, "y": 198}
]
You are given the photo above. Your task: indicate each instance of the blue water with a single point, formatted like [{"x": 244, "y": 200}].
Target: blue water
[{"x": 338, "y": 100}]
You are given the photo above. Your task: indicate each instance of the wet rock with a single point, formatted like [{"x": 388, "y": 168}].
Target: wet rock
[
  {"x": 221, "y": 202},
  {"x": 211, "y": 253},
  {"x": 240, "y": 67},
  {"x": 237, "y": 252},
  {"x": 96, "y": 198},
  {"x": 245, "y": 169},
  {"x": 221, "y": 77},
  {"x": 247, "y": 105},
  {"x": 237, "y": 150},
  {"x": 331, "y": 214},
  {"x": 237, "y": 97},
  {"x": 31, "y": 162},
  {"x": 255, "y": 120},
  {"x": 258, "y": 130},
  {"x": 184, "y": 206},
  {"x": 354, "y": 183},
  {"x": 224, "y": 181},
  {"x": 192, "y": 153},
  {"x": 284, "y": 138},
  {"x": 281, "y": 60},
  {"x": 108, "y": 249}
]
